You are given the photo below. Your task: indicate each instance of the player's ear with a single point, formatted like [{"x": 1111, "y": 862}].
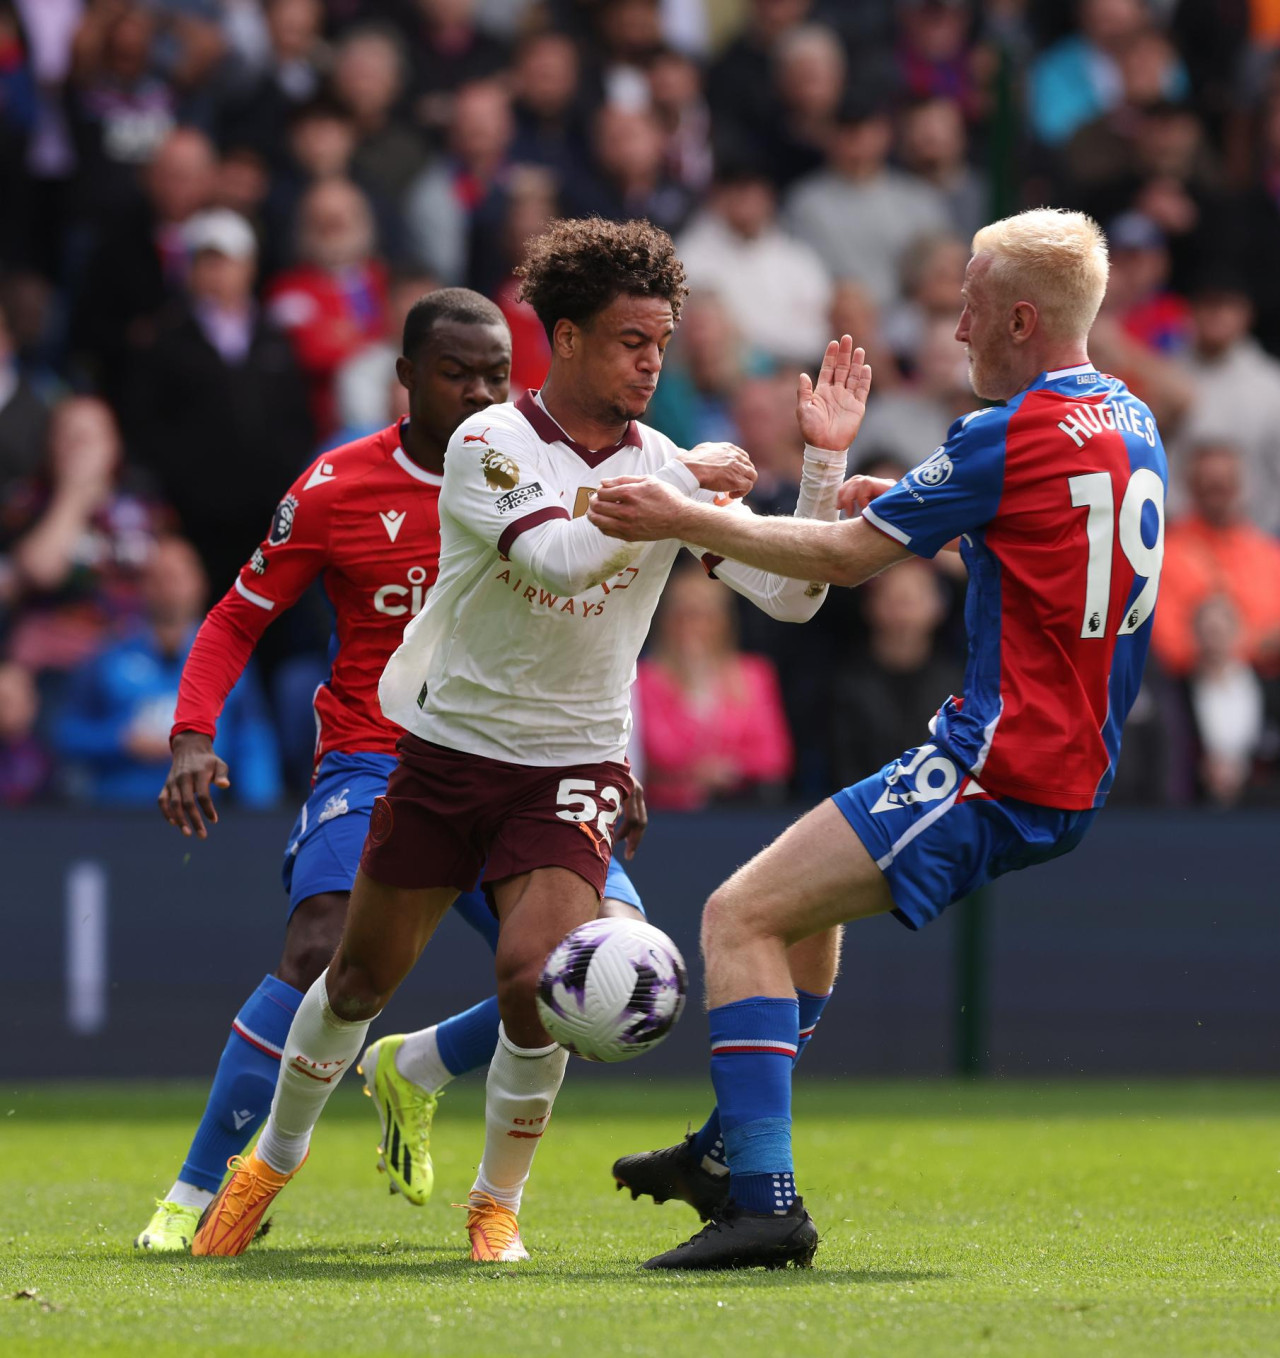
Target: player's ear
[
  {"x": 404, "y": 372},
  {"x": 1022, "y": 322},
  {"x": 564, "y": 339}
]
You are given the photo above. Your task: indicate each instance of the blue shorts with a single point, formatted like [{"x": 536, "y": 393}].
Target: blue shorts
[
  {"x": 937, "y": 836},
  {"x": 326, "y": 840}
]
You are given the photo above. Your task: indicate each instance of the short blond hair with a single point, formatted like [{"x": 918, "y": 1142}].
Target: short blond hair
[{"x": 1054, "y": 259}]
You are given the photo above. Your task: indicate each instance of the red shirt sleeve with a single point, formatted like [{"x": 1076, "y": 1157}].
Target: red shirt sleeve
[{"x": 294, "y": 552}]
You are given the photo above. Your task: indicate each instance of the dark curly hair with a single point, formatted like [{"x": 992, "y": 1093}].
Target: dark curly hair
[{"x": 577, "y": 267}]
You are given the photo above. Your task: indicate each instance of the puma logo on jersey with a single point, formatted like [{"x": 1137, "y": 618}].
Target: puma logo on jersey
[
  {"x": 322, "y": 473},
  {"x": 392, "y": 521},
  {"x": 478, "y": 438}
]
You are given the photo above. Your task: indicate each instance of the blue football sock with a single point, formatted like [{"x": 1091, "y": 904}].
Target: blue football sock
[
  {"x": 242, "y": 1088},
  {"x": 753, "y": 1047},
  {"x": 708, "y": 1144},
  {"x": 811, "y": 1007},
  {"x": 473, "y": 907},
  {"x": 467, "y": 1040}
]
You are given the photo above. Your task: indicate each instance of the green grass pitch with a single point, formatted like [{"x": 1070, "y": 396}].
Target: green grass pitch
[{"x": 956, "y": 1219}]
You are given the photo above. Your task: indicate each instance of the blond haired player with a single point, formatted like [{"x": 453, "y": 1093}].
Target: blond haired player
[{"x": 1057, "y": 498}]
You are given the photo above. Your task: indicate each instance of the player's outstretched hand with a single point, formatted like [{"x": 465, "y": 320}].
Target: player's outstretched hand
[
  {"x": 186, "y": 792},
  {"x": 722, "y": 467},
  {"x": 858, "y": 492},
  {"x": 635, "y": 820},
  {"x": 829, "y": 412},
  {"x": 637, "y": 509}
]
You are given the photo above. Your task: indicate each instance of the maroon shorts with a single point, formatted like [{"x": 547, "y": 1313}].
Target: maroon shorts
[{"x": 447, "y": 816}]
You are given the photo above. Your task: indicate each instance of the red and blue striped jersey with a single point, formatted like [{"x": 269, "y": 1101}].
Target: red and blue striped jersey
[{"x": 1058, "y": 500}]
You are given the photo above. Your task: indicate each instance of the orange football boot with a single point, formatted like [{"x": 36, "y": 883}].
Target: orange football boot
[
  {"x": 494, "y": 1230},
  {"x": 234, "y": 1217}
]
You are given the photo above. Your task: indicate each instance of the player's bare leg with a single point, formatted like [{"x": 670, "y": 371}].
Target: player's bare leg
[
  {"x": 386, "y": 929},
  {"x": 694, "y": 1170},
  {"x": 536, "y": 910},
  {"x": 813, "y": 878}
]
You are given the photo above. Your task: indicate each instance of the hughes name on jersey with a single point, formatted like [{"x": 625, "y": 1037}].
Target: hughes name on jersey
[
  {"x": 1058, "y": 501},
  {"x": 364, "y": 520},
  {"x": 526, "y": 649}
]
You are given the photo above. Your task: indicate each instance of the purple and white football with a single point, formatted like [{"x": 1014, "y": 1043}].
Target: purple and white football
[{"x": 612, "y": 989}]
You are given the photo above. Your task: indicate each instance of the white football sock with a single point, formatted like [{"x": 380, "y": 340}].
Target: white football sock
[
  {"x": 522, "y": 1086},
  {"x": 419, "y": 1060},
  {"x": 318, "y": 1052},
  {"x": 188, "y": 1195}
]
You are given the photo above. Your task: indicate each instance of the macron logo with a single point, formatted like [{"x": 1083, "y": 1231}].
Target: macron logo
[
  {"x": 241, "y": 1118},
  {"x": 322, "y": 473},
  {"x": 392, "y": 521}
]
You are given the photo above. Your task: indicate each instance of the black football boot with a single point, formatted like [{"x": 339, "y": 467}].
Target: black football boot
[
  {"x": 675, "y": 1172},
  {"x": 741, "y": 1239}
]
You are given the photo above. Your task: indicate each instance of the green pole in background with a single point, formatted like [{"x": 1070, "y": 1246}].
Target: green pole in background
[
  {"x": 971, "y": 945},
  {"x": 971, "y": 985}
]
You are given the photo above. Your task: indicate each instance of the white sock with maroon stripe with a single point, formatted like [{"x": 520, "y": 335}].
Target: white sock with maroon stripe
[
  {"x": 318, "y": 1052},
  {"x": 522, "y": 1086}
]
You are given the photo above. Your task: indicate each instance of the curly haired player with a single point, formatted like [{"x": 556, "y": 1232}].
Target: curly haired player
[{"x": 512, "y": 687}]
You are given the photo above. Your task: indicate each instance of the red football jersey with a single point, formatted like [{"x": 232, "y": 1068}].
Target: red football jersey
[{"x": 364, "y": 518}]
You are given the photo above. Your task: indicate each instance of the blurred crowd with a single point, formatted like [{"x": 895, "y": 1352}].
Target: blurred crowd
[{"x": 214, "y": 215}]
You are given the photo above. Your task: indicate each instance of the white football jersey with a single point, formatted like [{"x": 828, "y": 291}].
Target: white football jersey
[{"x": 500, "y": 663}]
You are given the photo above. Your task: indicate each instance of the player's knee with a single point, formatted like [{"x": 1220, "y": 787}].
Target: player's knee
[
  {"x": 310, "y": 941},
  {"x": 355, "y": 993},
  {"x": 517, "y": 979},
  {"x": 729, "y": 918}
]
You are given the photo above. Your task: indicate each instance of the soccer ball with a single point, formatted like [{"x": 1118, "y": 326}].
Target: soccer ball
[{"x": 612, "y": 989}]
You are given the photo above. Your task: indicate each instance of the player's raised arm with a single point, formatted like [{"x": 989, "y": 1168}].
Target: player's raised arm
[{"x": 826, "y": 414}]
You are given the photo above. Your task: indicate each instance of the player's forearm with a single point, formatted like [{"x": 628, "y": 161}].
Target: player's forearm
[
  {"x": 217, "y": 658},
  {"x": 844, "y": 553},
  {"x": 781, "y": 596}
]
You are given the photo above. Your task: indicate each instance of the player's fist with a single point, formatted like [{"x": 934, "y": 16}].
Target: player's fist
[
  {"x": 186, "y": 792},
  {"x": 858, "y": 492},
  {"x": 722, "y": 467},
  {"x": 637, "y": 509},
  {"x": 829, "y": 412}
]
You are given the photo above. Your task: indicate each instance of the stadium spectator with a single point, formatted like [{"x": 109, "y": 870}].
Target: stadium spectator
[
  {"x": 113, "y": 730},
  {"x": 447, "y": 50},
  {"x": 630, "y": 179},
  {"x": 740, "y": 84},
  {"x": 680, "y": 106},
  {"x": 933, "y": 145},
  {"x": 1079, "y": 77},
  {"x": 73, "y": 538},
  {"x": 707, "y": 361},
  {"x": 854, "y": 312},
  {"x": 363, "y": 385},
  {"x": 334, "y": 301},
  {"x": 1234, "y": 393},
  {"x": 258, "y": 111},
  {"x": 935, "y": 60},
  {"x": 368, "y": 80},
  {"x": 1226, "y": 702},
  {"x": 1138, "y": 291},
  {"x": 932, "y": 275},
  {"x": 775, "y": 287},
  {"x": 859, "y": 213},
  {"x": 909, "y": 423},
  {"x": 884, "y": 692},
  {"x": 24, "y": 415},
  {"x": 548, "y": 108},
  {"x": 140, "y": 263},
  {"x": 530, "y": 199},
  {"x": 442, "y": 202},
  {"x": 26, "y": 768},
  {"x": 810, "y": 73},
  {"x": 711, "y": 717},
  {"x": 1214, "y": 550},
  {"x": 217, "y": 407}
]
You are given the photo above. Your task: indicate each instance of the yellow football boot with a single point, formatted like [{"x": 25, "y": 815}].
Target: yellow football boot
[
  {"x": 405, "y": 1111},
  {"x": 170, "y": 1230}
]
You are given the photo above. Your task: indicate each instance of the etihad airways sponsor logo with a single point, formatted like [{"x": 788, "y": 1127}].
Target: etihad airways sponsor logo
[{"x": 557, "y": 603}]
